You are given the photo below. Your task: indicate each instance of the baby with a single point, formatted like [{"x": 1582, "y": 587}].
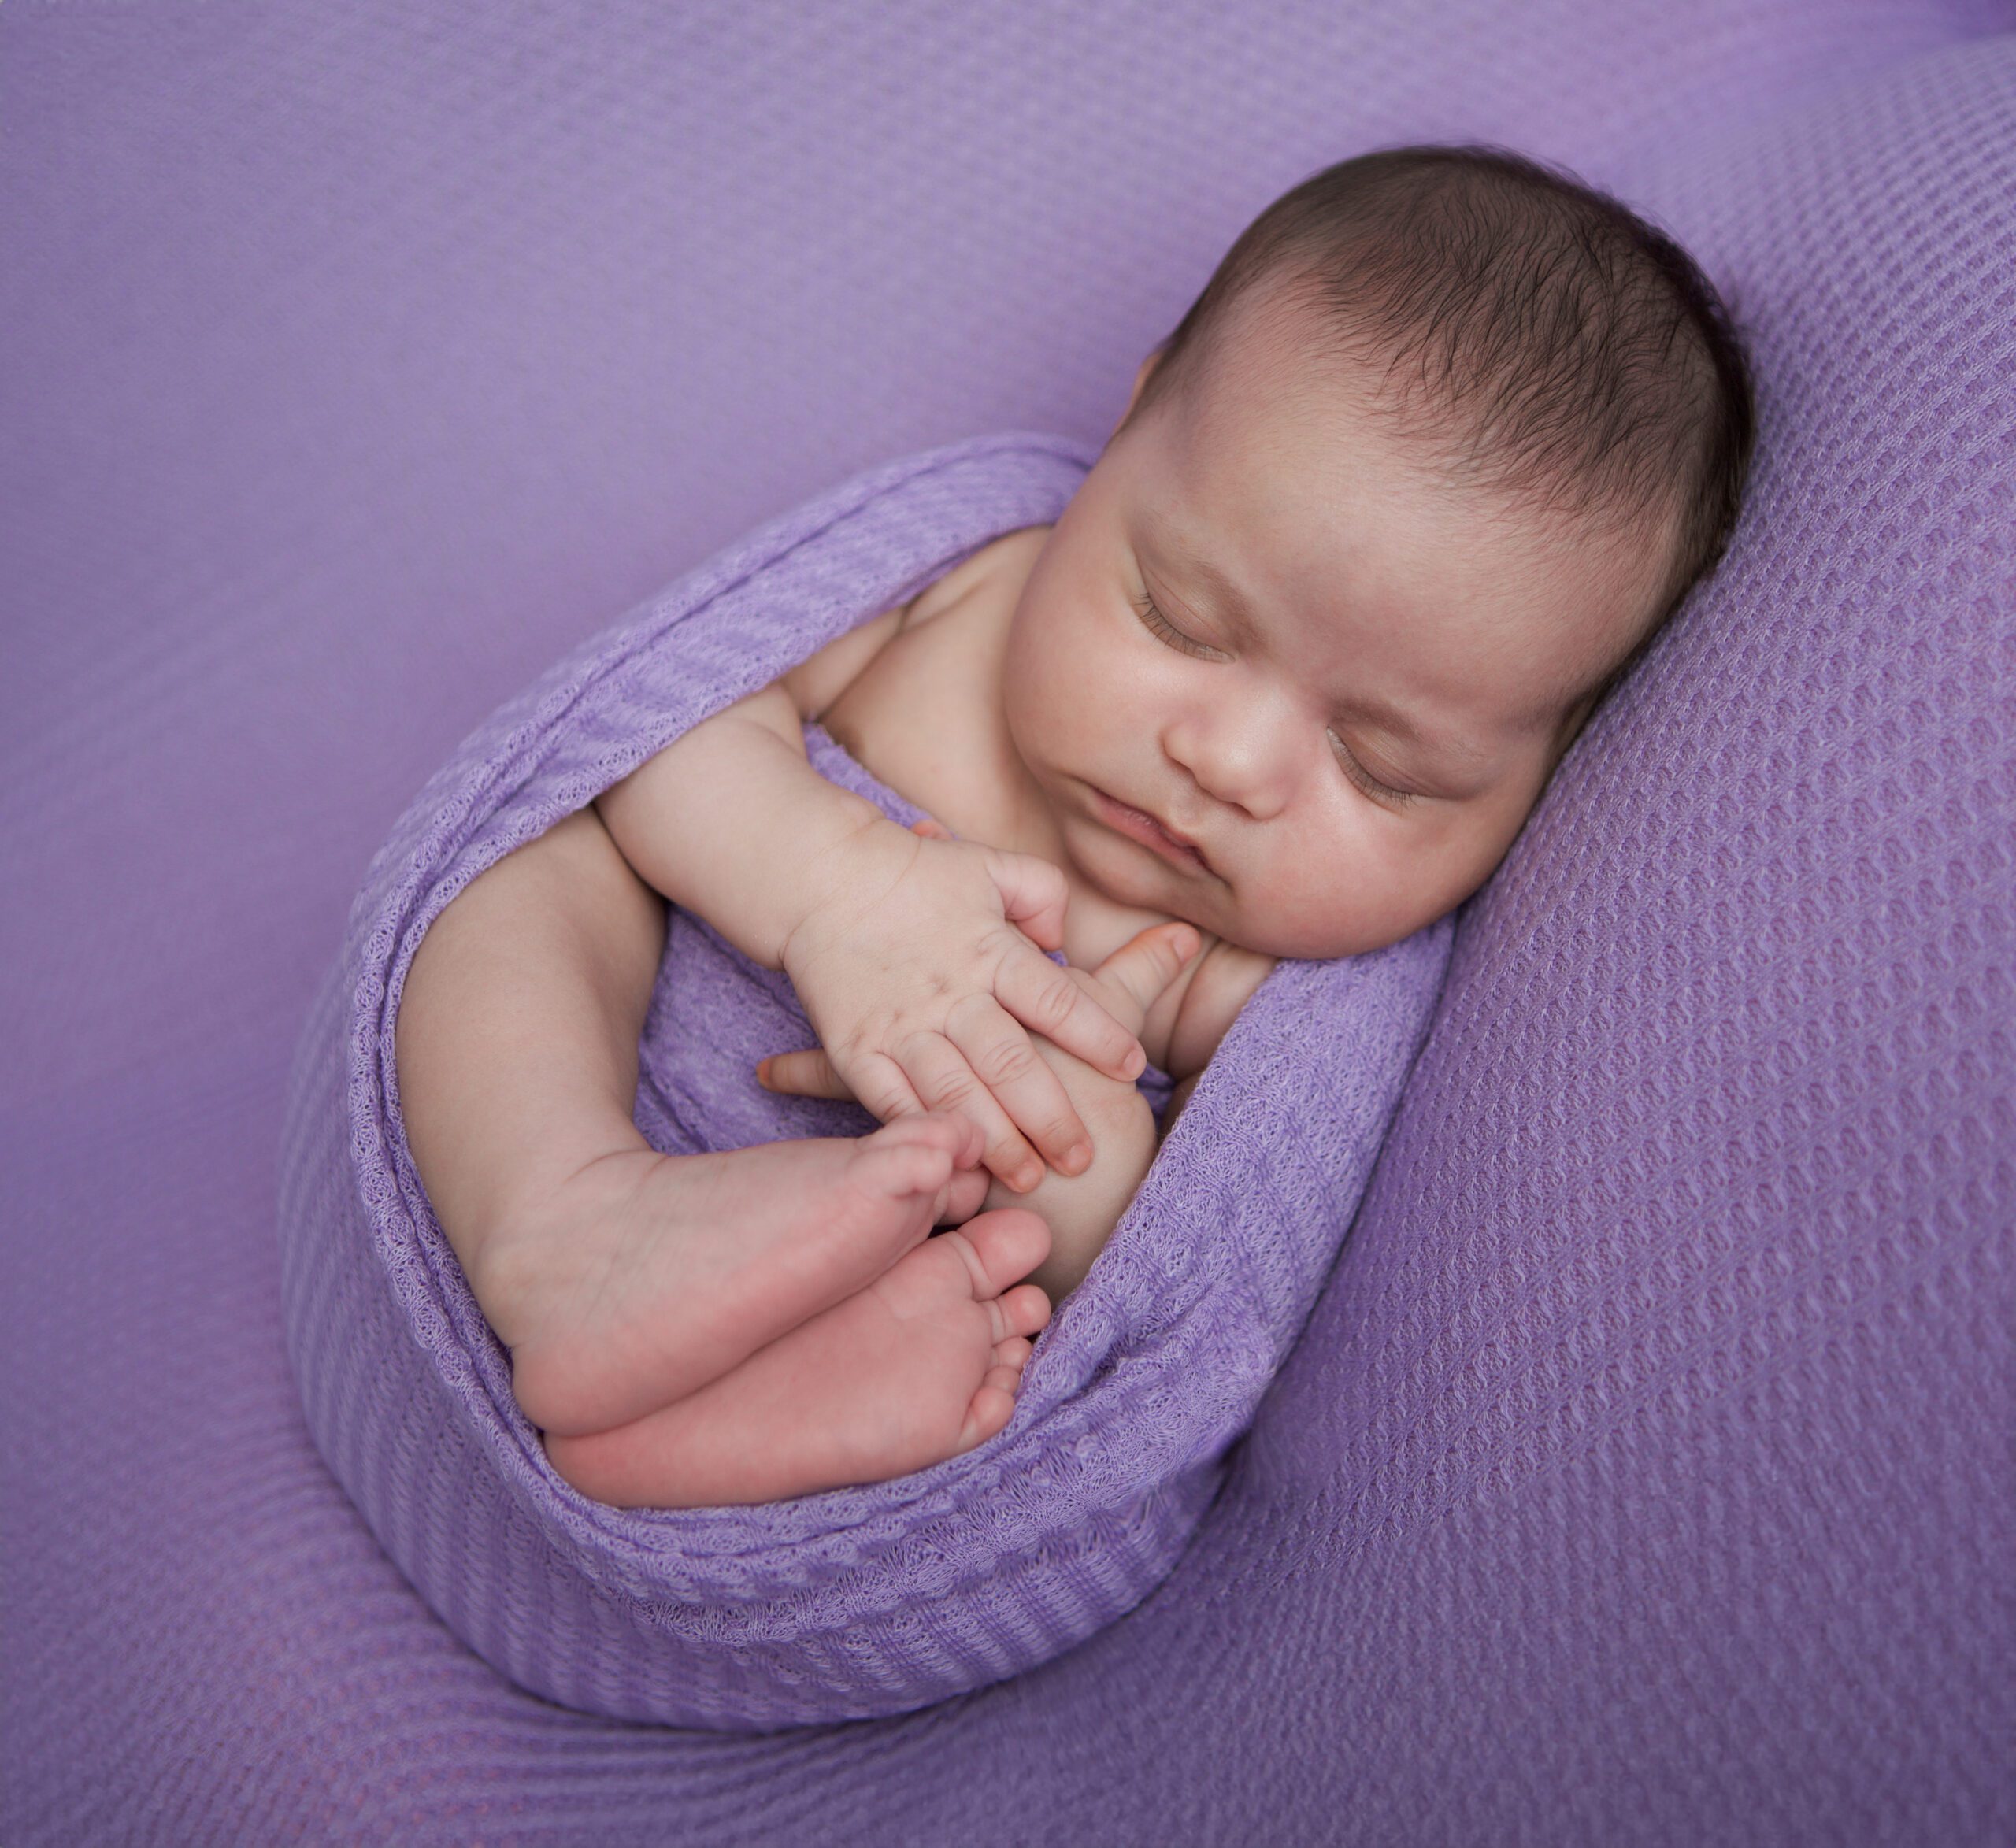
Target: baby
[{"x": 1443, "y": 443}]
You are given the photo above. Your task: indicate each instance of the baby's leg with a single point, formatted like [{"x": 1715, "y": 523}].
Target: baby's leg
[
  {"x": 517, "y": 1034},
  {"x": 620, "y": 1278},
  {"x": 922, "y": 1365}
]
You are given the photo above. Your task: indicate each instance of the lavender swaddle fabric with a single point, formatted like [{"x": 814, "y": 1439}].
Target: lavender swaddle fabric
[{"x": 860, "y": 1601}]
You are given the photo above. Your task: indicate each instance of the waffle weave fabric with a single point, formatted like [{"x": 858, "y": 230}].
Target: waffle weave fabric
[
  {"x": 1640, "y": 1479},
  {"x": 860, "y": 1601}
]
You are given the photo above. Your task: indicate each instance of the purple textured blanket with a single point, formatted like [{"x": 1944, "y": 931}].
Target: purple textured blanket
[{"x": 866, "y": 1600}]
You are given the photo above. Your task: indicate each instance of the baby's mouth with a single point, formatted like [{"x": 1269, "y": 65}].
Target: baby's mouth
[{"x": 1136, "y": 825}]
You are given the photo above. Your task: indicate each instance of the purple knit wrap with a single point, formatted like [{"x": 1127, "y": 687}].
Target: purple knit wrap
[{"x": 864, "y": 1601}]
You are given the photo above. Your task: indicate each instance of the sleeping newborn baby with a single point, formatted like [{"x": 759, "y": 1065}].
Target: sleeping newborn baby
[{"x": 1443, "y": 443}]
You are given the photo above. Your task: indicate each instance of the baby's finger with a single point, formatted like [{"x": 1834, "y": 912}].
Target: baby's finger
[
  {"x": 1033, "y": 895},
  {"x": 882, "y": 1088},
  {"x": 1150, "y": 960},
  {"x": 944, "y": 1077},
  {"x": 1047, "y": 999},
  {"x": 1021, "y": 1080},
  {"x": 962, "y": 1196},
  {"x": 808, "y": 1074}
]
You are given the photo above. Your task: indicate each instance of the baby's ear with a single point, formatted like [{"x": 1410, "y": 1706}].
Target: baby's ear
[{"x": 1143, "y": 374}]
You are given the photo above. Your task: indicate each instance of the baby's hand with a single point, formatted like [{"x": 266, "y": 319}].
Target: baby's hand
[
  {"x": 1080, "y": 1212},
  {"x": 917, "y": 976},
  {"x": 1127, "y": 984}
]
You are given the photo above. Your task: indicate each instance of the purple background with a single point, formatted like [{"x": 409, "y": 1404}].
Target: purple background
[{"x": 1643, "y": 1474}]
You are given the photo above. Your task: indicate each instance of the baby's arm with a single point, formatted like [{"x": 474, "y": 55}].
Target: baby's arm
[
  {"x": 1083, "y": 1212},
  {"x": 729, "y": 820},
  {"x": 917, "y": 960}
]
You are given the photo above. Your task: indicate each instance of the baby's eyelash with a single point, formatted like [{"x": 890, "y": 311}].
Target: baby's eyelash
[
  {"x": 1161, "y": 627},
  {"x": 1366, "y": 781}
]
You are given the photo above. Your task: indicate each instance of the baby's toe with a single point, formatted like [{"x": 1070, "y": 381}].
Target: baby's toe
[
  {"x": 1006, "y": 1244},
  {"x": 900, "y": 1165},
  {"x": 961, "y": 1196},
  {"x": 986, "y": 1416},
  {"x": 1004, "y": 1379},
  {"x": 958, "y": 1136},
  {"x": 1014, "y": 1352},
  {"x": 1024, "y": 1310}
]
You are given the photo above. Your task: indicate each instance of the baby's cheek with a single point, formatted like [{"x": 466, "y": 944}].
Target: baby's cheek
[
  {"x": 1324, "y": 904},
  {"x": 1293, "y": 898}
]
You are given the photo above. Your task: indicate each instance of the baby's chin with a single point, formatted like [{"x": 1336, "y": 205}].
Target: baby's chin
[
  {"x": 1300, "y": 941},
  {"x": 1211, "y": 902},
  {"x": 1119, "y": 881},
  {"x": 1261, "y": 936}
]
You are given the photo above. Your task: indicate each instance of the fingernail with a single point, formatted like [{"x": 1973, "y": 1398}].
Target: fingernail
[
  {"x": 1026, "y": 1176},
  {"x": 1134, "y": 1065},
  {"x": 1077, "y": 1158}
]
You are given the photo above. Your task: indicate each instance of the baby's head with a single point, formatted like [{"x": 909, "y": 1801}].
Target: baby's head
[{"x": 1444, "y": 441}]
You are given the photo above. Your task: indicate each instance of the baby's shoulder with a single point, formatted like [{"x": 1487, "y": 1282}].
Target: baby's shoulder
[
  {"x": 816, "y": 684},
  {"x": 820, "y": 679}
]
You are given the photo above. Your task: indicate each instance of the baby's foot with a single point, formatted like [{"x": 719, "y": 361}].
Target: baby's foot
[
  {"x": 646, "y": 1276},
  {"x": 920, "y": 1366}
]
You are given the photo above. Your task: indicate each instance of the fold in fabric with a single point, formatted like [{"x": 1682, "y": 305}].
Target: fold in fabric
[{"x": 853, "y": 1602}]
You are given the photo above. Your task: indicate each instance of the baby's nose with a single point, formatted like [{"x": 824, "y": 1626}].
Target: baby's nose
[{"x": 1240, "y": 753}]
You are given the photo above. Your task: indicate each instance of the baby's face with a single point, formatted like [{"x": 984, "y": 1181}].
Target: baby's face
[{"x": 1344, "y": 681}]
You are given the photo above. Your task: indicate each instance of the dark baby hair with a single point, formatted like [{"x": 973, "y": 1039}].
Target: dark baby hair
[{"x": 1561, "y": 348}]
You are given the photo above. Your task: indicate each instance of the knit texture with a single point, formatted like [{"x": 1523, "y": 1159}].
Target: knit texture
[
  {"x": 857, "y": 1602},
  {"x": 1641, "y": 1479}
]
